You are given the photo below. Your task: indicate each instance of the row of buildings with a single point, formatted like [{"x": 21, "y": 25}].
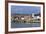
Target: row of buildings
[{"x": 26, "y": 17}]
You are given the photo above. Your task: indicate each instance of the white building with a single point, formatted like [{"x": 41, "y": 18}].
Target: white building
[{"x": 35, "y": 17}]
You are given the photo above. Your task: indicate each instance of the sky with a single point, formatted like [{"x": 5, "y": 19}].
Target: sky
[{"x": 25, "y": 9}]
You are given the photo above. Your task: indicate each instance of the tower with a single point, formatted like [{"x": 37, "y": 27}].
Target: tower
[{"x": 33, "y": 15}]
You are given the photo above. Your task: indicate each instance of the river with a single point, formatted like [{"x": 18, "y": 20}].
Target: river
[{"x": 14, "y": 25}]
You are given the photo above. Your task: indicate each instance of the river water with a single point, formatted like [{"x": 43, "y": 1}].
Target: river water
[{"x": 14, "y": 25}]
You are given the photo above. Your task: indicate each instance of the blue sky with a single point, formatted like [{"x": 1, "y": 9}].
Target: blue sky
[{"x": 24, "y": 9}]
